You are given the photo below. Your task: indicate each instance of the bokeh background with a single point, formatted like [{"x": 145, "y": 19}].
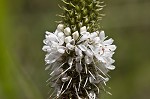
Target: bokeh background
[{"x": 22, "y": 27}]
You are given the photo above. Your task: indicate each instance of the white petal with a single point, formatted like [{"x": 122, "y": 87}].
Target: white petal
[
  {"x": 100, "y": 58},
  {"x": 68, "y": 39},
  {"x": 93, "y": 35},
  {"x": 102, "y": 35},
  {"x": 85, "y": 36},
  {"x": 109, "y": 60},
  {"x": 79, "y": 67},
  {"x": 108, "y": 54},
  {"x": 46, "y": 41},
  {"x": 78, "y": 52},
  {"x": 75, "y": 35},
  {"x": 110, "y": 67},
  {"x": 54, "y": 44},
  {"x": 91, "y": 48},
  {"x": 67, "y": 31},
  {"x": 56, "y": 31},
  {"x": 82, "y": 47},
  {"x": 46, "y": 48},
  {"x": 108, "y": 42},
  {"x": 60, "y": 27},
  {"x": 96, "y": 40},
  {"x": 61, "y": 38},
  {"x": 111, "y": 47},
  {"x": 89, "y": 53},
  {"x": 47, "y": 32},
  {"x": 52, "y": 37},
  {"x": 61, "y": 50},
  {"x": 69, "y": 46},
  {"x": 60, "y": 34}
]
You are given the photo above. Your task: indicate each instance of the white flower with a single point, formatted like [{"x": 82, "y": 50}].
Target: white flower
[
  {"x": 84, "y": 52},
  {"x": 53, "y": 46},
  {"x": 102, "y": 49}
]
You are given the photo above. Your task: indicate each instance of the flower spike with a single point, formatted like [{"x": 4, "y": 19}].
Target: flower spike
[{"x": 78, "y": 54}]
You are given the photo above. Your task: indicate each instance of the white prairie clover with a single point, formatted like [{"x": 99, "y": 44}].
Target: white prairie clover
[
  {"x": 79, "y": 55},
  {"x": 78, "y": 63}
]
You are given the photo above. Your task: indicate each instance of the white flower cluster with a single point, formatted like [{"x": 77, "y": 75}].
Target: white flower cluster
[{"x": 80, "y": 48}]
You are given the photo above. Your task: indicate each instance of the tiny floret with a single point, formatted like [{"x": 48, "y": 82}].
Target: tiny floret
[
  {"x": 67, "y": 31},
  {"x": 60, "y": 27},
  {"x": 83, "y": 29},
  {"x": 75, "y": 35}
]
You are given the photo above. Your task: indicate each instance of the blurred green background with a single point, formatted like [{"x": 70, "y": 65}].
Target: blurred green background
[{"x": 22, "y": 27}]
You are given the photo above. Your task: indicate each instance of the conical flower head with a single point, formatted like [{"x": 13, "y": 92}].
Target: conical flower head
[
  {"x": 78, "y": 64},
  {"x": 79, "y": 55}
]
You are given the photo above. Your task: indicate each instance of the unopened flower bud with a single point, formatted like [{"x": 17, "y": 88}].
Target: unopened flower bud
[
  {"x": 68, "y": 39},
  {"x": 60, "y": 27},
  {"x": 67, "y": 31},
  {"x": 75, "y": 35},
  {"x": 102, "y": 35},
  {"x": 83, "y": 29}
]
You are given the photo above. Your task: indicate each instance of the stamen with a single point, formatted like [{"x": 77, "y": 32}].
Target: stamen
[
  {"x": 96, "y": 87},
  {"x": 79, "y": 82},
  {"x": 91, "y": 74},
  {"x": 67, "y": 85},
  {"x": 85, "y": 82},
  {"x": 77, "y": 93}
]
